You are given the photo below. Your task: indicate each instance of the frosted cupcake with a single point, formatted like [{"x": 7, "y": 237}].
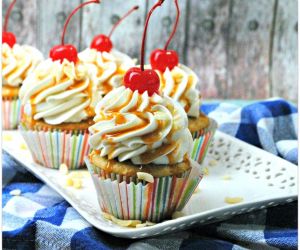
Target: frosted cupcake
[
  {"x": 58, "y": 110},
  {"x": 17, "y": 63},
  {"x": 58, "y": 99},
  {"x": 181, "y": 84},
  {"x": 107, "y": 65},
  {"x": 140, "y": 159}
]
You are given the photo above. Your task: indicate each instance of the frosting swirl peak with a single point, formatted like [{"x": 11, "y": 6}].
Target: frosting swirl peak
[
  {"x": 18, "y": 62},
  {"x": 106, "y": 68},
  {"x": 141, "y": 128},
  {"x": 181, "y": 85}
]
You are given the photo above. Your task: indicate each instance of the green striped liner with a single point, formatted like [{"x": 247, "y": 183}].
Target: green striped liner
[
  {"x": 52, "y": 148},
  {"x": 11, "y": 114}
]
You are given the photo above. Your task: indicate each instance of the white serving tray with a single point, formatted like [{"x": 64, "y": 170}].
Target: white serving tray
[{"x": 235, "y": 169}]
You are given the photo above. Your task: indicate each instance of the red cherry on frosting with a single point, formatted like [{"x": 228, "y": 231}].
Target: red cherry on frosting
[
  {"x": 102, "y": 43},
  {"x": 9, "y": 38},
  {"x": 61, "y": 52},
  {"x": 161, "y": 59},
  {"x": 137, "y": 79},
  {"x": 67, "y": 51}
]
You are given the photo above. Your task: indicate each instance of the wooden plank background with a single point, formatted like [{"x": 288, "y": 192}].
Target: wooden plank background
[{"x": 240, "y": 49}]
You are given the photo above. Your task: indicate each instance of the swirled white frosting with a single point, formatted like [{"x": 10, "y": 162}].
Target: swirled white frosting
[
  {"x": 58, "y": 93},
  {"x": 18, "y": 62},
  {"x": 106, "y": 68},
  {"x": 181, "y": 85},
  {"x": 141, "y": 128}
]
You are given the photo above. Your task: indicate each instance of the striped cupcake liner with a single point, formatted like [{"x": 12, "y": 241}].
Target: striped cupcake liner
[
  {"x": 202, "y": 140},
  {"x": 52, "y": 148},
  {"x": 11, "y": 113},
  {"x": 130, "y": 199}
]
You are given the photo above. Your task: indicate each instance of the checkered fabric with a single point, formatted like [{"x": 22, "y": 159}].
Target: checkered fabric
[{"x": 41, "y": 219}]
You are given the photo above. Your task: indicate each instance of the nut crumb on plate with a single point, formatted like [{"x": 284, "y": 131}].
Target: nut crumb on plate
[
  {"x": 23, "y": 146},
  {"x": 7, "y": 137},
  {"x": 205, "y": 171},
  {"x": 212, "y": 163},
  {"x": 233, "y": 200},
  {"x": 63, "y": 169}
]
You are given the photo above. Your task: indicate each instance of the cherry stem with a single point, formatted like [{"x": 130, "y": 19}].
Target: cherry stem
[
  {"x": 175, "y": 25},
  {"x": 8, "y": 14},
  {"x": 121, "y": 19},
  {"x": 70, "y": 16},
  {"x": 159, "y": 3}
]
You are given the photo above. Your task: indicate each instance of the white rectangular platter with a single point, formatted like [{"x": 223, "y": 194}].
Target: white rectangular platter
[{"x": 233, "y": 169}]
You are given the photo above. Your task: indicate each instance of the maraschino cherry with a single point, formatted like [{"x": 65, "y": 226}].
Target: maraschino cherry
[
  {"x": 8, "y": 37},
  {"x": 102, "y": 42},
  {"x": 161, "y": 59},
  {"x": 67, "y": 51},
  {"x": 139, "y": 78}
]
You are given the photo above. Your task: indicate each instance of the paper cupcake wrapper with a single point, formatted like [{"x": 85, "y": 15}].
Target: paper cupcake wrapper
[
  {"x": 202, "y": 140},
  {"x": 131, "y": 199},
  {"x": 52, "y": 148},
  {"x": 11, "y": 113}
]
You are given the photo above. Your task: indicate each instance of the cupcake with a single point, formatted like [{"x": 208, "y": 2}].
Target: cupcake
[
  {"x": 58, "y": 110},
  {"x": 106, "y": 68},
  {"x": 58, "y": 99},
  {"x": 181, "y": 84},
  {"x": 140, "y": 156},
  {"x": 18, "y": 62}
]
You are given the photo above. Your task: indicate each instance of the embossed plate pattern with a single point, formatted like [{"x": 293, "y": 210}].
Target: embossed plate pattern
[{"x": 233, "y": 169}]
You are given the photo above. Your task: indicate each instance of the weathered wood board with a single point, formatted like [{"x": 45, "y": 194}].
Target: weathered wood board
[
  {"x": 284, "y": 73},
  {"x": 239, "y": 49},
  {"x": 51, "y": 16},
  {"x": 23, "y": 21},
  {"x": 100, "y": 19},
  {"x": 249, "y": 35},
  {"x": 161, "y": 25},
  {"x": 207, "y": 44}
]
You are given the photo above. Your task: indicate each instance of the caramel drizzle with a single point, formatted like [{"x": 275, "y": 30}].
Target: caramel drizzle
[
  {"x": 149, "y": 139},
  {"x": 77, "y": 84}
]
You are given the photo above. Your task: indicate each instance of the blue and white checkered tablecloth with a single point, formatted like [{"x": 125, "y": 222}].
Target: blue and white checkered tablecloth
[{"x": 40, "y": 218}]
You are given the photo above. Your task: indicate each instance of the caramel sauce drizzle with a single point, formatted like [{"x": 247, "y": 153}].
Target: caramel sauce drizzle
[
  {"x": 10, "y": 91},
  {"x": 148, "y": 157}
]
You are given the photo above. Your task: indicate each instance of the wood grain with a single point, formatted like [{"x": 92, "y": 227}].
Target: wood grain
[
  {"x": 22, "y": 21},
  {"x": 240, "y": 49},
  {"x": 206, "y": 45},
  {"x": 100, "y": 19},
  {"x": 161, "y": 25},
  {"x": 50, "y": 19},
  {"x": 284, "y": 74},
  {"x": 248, "y": 48}
]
